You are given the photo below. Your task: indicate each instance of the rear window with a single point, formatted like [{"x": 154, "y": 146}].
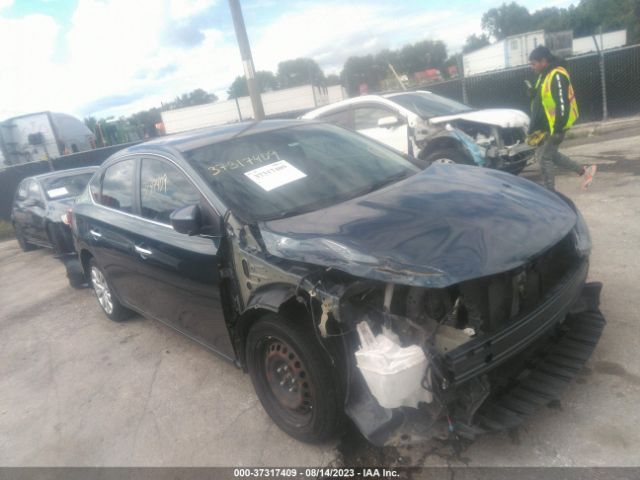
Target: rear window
[
  {"x": 340, "y": 118},
  {"x": 57, "y": 188}
]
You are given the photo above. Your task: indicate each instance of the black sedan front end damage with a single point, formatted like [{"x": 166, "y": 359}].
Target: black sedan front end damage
[
  {"x": 502, "y": 330},
  {"x": 495, "y": 378},
  {"x": 344, "y": 279}
]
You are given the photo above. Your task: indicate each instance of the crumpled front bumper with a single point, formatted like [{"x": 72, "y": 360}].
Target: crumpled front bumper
[
  {"x": 573, "y": 330},
  {"x": 513, "y": 158}
]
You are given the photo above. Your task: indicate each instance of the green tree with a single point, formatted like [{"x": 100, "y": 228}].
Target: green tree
[
  {"x": 362, "y": 70},
  {"x": 333, "y": 79},
  {"x": 196, "y": 97},
  {"x": 92, "y": 124},
  {"x": 508, "y": 19},
  {"x": 267, "y": 81},
  {"x": 422, "y": 55},
  {"x": 299, "y": 71},
  {"x": 145, "y": 122},
  {"x": 474, "y": 42}
]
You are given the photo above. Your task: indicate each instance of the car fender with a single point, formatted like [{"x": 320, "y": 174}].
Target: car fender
[
  {"x": 454, "y": 138},
  {"x": 268, "y": 298}
]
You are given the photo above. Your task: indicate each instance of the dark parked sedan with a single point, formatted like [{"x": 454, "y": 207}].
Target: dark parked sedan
[
  {"x": 449, "y": 301},
  {"x": 40, "y": 206}
]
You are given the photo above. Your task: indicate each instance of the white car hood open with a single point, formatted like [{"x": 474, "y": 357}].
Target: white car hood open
[{"x": 500, "y": 117}]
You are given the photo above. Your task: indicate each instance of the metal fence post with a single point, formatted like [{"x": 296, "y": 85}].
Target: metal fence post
[
  {"x": 603, "y": 80},
  {"x": 605, "y": 109},
  {"x": 463, "y": 83}
]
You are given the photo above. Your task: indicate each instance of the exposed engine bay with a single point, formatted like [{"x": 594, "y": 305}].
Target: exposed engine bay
[
  {"x": 492, "y": 146},
  {"x": 421, "y": 361}
]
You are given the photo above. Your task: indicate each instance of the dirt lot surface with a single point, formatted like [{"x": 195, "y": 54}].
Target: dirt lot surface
[{"x": 77, "y": 389}]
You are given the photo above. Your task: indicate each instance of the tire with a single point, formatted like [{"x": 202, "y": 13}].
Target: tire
[
  {"x": 22, "y": 241},
  {"x": 448, "y": 155},
  {"x": 107, "y": 299},
  {"x": 280, "y": 350}
]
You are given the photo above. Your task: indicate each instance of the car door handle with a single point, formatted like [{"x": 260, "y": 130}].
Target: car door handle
[
  {"x": 95, "y": 233},
  {"x": 142, "y": 251}
]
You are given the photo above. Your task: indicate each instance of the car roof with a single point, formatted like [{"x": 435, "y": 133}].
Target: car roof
[
  {"x": 386, "y": 98},
  {"x": 201, "y": 137},
  {"x": 64, "y": 173}
]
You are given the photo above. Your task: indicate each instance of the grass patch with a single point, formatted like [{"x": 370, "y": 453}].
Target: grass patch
[{"x": 6, "y": 231}]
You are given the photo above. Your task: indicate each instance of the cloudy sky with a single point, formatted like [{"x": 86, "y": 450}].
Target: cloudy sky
[{"x": 116, "y": 57}]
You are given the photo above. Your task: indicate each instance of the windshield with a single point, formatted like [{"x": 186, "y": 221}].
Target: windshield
[
  {"x": 57, "y": 188},
  {"x": 296, "y": 170},
  {"x": 428, "y": 105}
]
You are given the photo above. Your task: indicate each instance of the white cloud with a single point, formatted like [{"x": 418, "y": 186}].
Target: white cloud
[
  {"x": 115, "y": 49},
  {"x": 26, "y": 69},
  {"x": 121, "y": 56}
]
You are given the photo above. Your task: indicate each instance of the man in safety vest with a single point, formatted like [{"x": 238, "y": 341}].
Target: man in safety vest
[{"x": 553, "y": 110}]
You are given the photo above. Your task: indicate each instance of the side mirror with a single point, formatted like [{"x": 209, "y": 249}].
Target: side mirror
[
  {"x": 187, "y": 220},
  {"x": 387, "y": 122}
]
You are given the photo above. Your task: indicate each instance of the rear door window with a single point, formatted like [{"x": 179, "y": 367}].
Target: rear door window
[
  {"x": 340, "y": 118},
  {"x": 367, "y": 117},
  {"x": 163, "y": 189},
  {"x": 117, "y": 186}
]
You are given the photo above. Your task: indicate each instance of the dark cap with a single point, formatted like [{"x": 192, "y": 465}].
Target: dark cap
[{"x": 541, "y": 52}]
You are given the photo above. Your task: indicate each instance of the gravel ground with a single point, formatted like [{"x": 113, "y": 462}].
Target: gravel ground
[{"x": 79, "y": 390}]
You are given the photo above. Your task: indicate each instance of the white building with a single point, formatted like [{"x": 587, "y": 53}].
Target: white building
[
  {"x": 511, "y": 52},
  {"x": 514, "y": 51},
  {"x": 290, "y": 102},
  {"x": 599, "y": 41}
]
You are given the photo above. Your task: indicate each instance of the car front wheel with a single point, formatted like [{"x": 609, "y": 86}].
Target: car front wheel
[
  {"x": 448, "y": 156},
  {"x": 294, "y": 379},
  {"x": 111, "y": 306}
]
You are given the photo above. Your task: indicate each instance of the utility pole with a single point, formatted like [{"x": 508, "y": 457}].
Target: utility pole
[{"x": 247, "y": 60}]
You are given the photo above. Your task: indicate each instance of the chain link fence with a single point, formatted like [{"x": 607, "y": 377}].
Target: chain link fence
[{"x": 606, "y": 84}]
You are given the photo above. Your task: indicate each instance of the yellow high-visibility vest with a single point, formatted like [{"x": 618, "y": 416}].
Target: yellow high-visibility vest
[{"x": 549, "y": 104}]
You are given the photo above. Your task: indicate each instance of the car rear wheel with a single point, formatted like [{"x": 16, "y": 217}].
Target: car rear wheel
[
  {"x": 448, "y": 156},
  {"x": 22, "y": 241},
  {"x": 293, "y": 378},
  {"x": 109, "y": 303}
]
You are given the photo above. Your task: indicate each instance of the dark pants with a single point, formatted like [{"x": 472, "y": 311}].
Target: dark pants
[{"x": 548, "y": 157}]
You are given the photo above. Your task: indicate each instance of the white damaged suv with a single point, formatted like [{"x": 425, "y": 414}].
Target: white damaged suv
[{"x": 436, "y": 129}]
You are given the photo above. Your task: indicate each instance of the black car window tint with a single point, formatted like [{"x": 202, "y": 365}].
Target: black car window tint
[
  {"x": 340, "y": 118},
  {"x": 163, "y": 189},
  {"x": 117, "y": 186},
  {"x": 367, "y": 117}
]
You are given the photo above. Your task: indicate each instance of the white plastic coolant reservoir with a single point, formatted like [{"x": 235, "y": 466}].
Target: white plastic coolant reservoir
[{"x": 393, "y": 373}]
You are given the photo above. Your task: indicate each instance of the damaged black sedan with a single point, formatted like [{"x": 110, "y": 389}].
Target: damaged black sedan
[{"x": 344, "y": 279}]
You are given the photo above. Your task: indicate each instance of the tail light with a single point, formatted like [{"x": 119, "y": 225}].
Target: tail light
[{"x": 67, "y": 218}]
